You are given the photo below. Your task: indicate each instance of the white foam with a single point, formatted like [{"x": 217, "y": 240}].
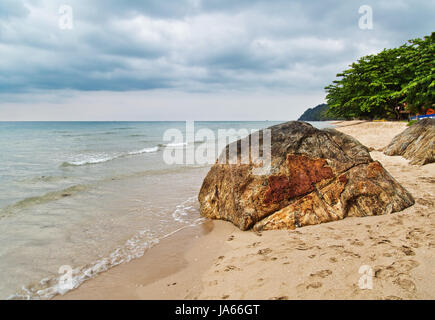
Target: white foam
[
  {"x": 91, "y": 160},
  {"x": 183, "y": 210},
  {"x": 181, "y": 144},
  {"x": 133, "y": 248},
  {"x": 146, "y": 150},
  {"x": 96, "y": 159}
]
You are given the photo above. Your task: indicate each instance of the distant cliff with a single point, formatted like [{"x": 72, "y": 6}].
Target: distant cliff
[{"x": 317, "y": 113}]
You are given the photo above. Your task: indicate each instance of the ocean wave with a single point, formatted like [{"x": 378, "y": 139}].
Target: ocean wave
[
  {"x": 133, "y": 248},
  {"x": 145, "y": 150},
  {"x": 89, "y": 134},
  {"x": 72, "y": 190},
  {"x": 90, "y": 160},
  {"x": 75, "y": 135},
  {"x": 45, "y": 179},
  {"x": 184, "y": 210},
  {"x": 180, "y": 144},
  {"x": 96, "y": 159},
  {"x": 45, "y": 198},
  {"x": 50, "y": 286}
]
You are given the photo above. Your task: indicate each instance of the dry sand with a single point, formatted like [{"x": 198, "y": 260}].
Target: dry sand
[
  {"x": 218, "y": 261},
  {"x": 376, "y": 135}
]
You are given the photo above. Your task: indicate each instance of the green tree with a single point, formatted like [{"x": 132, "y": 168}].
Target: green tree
[
  {"x": 419, "y": 91},
  {"x": 375, "y": 85}
]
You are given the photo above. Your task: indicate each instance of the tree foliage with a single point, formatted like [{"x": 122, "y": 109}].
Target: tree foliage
[
  {"x": 318, "y": 113},
  {"x": 375, "y": 85}
]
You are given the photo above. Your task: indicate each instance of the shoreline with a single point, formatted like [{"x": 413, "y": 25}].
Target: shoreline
[
  {"x": 218, "y": 261},
  {"x": 168, "y": 270}
]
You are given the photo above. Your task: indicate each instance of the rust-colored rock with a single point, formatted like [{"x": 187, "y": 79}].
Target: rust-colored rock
[
  {"x": 316, "y": 176},
  {"x": 417, "y": 143},
  {"x": 303, "y": 173}
]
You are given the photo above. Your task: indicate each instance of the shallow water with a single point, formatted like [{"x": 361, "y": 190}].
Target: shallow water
[{"x": 89, "y": 195}]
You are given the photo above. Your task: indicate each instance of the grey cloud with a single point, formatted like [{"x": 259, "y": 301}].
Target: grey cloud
[
  {"x": 193, "y": 45},
  {"x": 12, "y": 8}
]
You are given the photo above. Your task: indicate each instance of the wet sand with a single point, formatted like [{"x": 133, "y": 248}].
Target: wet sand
[{"x": 218, "y": 261}]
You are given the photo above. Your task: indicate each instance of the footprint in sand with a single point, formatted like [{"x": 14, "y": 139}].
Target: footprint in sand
[
  {"x": 381, "y": 241},
  {"x": 356, "y": 242},
  {"x": 427, "y": 179},
  {"x": 303, "y": 247},
  {"x": 398, "y": 220},
  {"x": 314, "y": 285},
  {"x": 279, "y": 298},
  {"x": 415, "y": 244},
  {"x": 415, "y": 234},
  {"x": 387, "y": 254},
  {"x": 398, "y": 274},
  {"x": 351, "y": 254},
  {"x": 253, "y": 245},
  {"x": 405, "y": 284},
  {"x": 406, "y": 265},
  {"x": 425, "y": 202},
  {"x": 218, "y": 260},
  {"x": 336, "y": 246},
  {"x": 407, "y": 250},
  {"x": 321, "y": 273},
  {"x": 232, "y": 268},
  {"x": 264, "y": 251},
  {"x": 392, "y": 298}
]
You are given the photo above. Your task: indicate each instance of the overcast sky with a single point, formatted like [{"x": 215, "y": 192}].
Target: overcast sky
[{"x": 187, "y": 59}]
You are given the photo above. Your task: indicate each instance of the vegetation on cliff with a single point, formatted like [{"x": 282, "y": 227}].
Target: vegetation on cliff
[
  {"x": 318, "y": 113},
  {"x": 381, "y": 85}
]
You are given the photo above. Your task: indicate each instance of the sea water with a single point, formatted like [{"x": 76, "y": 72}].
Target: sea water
[{"x": 89, "y": 196}]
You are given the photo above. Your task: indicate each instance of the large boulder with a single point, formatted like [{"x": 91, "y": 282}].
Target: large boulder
[
  {"x": 316, "y": 176},
  {"x": 417, "y": 143}
]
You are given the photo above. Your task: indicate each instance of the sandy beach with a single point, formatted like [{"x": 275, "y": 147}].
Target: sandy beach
[{"x": 218, "y": 261}]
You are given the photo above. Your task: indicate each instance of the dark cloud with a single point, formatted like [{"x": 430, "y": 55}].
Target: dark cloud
[{"x": 194, "y": 45}]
